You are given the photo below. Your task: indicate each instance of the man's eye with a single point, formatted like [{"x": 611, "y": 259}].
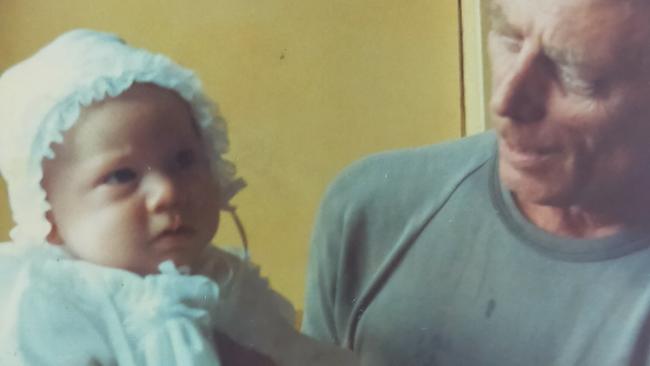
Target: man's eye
[
  {"x": 578, "y": 85},
  {"x": 510, "y": 42},
  {"x": 584, "y": 88},
  {"x": 120, "y": 176}
]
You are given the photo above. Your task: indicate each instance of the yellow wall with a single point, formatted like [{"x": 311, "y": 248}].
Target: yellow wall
[{"x": 307, "y": 87}]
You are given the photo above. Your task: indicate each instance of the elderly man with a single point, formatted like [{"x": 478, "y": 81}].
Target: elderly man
[{"x": 528, "y": 246}]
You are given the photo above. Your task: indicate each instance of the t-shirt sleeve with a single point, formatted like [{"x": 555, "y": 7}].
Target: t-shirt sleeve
[
  {"x": 364, "y": 219},
  {"x": 319, "y": 319}
]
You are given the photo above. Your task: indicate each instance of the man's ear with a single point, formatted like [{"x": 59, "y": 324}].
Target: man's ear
[{"x": 53, "y": 236}]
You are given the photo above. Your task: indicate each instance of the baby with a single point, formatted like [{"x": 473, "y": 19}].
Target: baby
[{"x": 114, "y": 162}]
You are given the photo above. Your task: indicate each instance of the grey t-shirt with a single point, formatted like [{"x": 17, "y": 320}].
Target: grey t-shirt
[{"x": 419, "y": 257}]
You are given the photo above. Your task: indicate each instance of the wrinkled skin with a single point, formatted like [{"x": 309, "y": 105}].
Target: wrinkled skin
[{"x": 571, "y": 87}]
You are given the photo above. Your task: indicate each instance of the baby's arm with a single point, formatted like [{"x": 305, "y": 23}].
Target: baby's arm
[
  {"x": 251, "y": 314},
  {"x": 40, "y": 325},
  {"x": 70, "y": 312}
]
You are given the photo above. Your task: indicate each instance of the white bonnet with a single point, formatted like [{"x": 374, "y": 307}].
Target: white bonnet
[{"x": 41, "y": 97}]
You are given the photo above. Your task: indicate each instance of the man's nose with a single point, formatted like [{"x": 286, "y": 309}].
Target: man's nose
[
  {"x": 521, "y": 89},
  {"x": 163, "y": 192}
]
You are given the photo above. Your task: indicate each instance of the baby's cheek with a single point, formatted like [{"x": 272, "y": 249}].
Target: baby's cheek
[{"x": 112, "y": 227}]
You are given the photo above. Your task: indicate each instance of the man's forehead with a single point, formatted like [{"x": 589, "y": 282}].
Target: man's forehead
[
  {"x": 596, "y": 2},
  {"x": 495, "y": 8},
  {"x": 591, "y": 35},
  {"x": 574, "y": 19}
]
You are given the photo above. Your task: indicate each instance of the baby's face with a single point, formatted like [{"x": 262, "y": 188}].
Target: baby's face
[{"x": 131, "y": 185}]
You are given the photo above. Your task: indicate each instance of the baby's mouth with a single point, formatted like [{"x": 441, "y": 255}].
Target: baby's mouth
[
  {"x": 174, "y": 236},
  {"x": 175, "y": 226},
  {"x": 176, "y": 232}
]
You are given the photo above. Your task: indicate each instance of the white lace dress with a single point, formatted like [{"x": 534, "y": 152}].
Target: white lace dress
[{"x": 55, "y": 310}]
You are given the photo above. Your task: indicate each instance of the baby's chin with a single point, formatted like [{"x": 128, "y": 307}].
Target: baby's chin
[
  {"x": 154, "y": 267},
  {"x": 185, "y": 264}
]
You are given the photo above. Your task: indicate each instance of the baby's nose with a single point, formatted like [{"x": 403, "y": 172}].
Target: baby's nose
[{"x": 163, "y": 192}]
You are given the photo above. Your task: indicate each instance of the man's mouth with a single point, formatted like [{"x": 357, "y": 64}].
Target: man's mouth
[{"x": 525, "y": 156}]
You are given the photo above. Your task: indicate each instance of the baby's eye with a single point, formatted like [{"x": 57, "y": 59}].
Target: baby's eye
[
  {"x": 185, "y": 158},
  {"x": 120, "y": 176}
]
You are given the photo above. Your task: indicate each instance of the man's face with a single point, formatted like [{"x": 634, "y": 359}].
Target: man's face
[
  {"x": 131, "y": 185},
  {"x": 571, "y": 98}
]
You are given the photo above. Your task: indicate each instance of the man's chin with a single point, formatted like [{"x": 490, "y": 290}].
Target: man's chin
[{"x": 541, "y": 191}]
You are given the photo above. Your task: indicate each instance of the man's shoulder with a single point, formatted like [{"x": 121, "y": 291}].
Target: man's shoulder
[
  {"x": 375, "y": 206},
  {"x": 413, "y": 172}
]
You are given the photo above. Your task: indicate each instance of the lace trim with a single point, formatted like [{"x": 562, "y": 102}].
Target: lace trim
[{"x": 35, "y": 119}]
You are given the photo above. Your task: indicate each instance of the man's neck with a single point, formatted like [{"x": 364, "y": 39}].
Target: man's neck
[
  {"x": 572, "y": 221},
  {"x": 588, "y": 221}
]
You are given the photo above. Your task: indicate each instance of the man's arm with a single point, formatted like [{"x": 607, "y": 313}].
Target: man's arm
[
  {"x": 319, "y": 319},
  {"x": 249, "y": 315}
]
